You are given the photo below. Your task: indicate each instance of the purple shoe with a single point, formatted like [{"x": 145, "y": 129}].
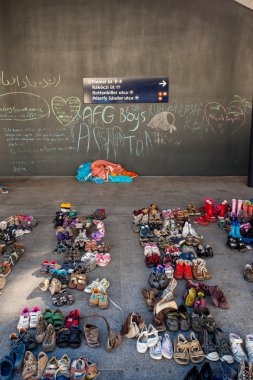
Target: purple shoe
[{"x": 200, "y": 302}]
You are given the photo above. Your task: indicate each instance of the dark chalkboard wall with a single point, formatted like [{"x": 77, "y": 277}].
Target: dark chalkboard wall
[{"x": 48, "y": 46}]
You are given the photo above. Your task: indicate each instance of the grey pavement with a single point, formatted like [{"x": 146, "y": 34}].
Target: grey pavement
[{"x": 41, "y": 197}]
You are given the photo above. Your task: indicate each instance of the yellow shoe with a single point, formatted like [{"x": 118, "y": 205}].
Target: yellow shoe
[
  {"x": 190, "y": 298},
  {"x": 66, "y": 205}
]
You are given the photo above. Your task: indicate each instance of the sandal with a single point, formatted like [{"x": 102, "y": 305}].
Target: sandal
[
  {"x": 73, "y": 281},
  {"x": 75, "y": 339},
  {"x": 195, "y": 351},
  {"x": 91, "y": 333},
  {"x": 152, "y": 336},
  {"x": 63, "y": 367},
  {"x": 78, "y": 369},
  {"x": 82, "y": 281},
  {"x": 181, "y": 354},
  {"x": 93, "y": 245},
  {"x": 72, "y": 318},
  {"x": 57, "y": 300},
  {"x": 57, "y": 319},
  {"x": 88, "y": 246},
  {"x": 91, "y": 370},
  {"x": 47, "y": 315},
  {"x": 208, "y": 251},
  {"x": 180, "y": 214},
  {"x": 63, "y": 337},
  {"x": 51, "y": 369}
]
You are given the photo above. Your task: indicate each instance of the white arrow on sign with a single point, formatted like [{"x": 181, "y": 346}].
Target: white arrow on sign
[{"x": 163, "y": 83}]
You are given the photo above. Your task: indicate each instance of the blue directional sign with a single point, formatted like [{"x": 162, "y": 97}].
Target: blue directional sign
[{"x": 126, "y": 90}]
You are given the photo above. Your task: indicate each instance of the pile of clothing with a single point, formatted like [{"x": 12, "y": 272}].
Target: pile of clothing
[{"x": 101, "y": 171}]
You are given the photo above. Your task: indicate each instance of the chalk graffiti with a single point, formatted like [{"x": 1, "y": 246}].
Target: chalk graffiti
[
  {"x": 67, "y": 110},
  {"x": 220, "y": 118},
  {"x": 24, "y": 82},
  {"x": 164, "y": 121},
  {"x": 243, "y": 103},
  {"x": 112, "y": 140},
  {"x": 14, "y": 106},
  {"x": 132, "y": 115}
]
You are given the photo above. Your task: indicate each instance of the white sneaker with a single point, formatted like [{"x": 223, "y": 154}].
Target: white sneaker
[
  {"x": 167, "y": 347},
  {"x": 34, "y": 317},
  {"x": 94, "y": 284},
  {"x": 103, "y": 285},
  {"x": 185, "y": 231},
  {"x": 24, "y": 319},
  {"x": 191, "y": 230},
  {"x": 156, "y": 351}
]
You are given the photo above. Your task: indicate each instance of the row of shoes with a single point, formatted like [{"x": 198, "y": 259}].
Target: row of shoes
[
  {"x": 52, "y": 329},
  {"x": 16, "y": 226},
  {"x": 226, "y": 372},
  {"x": 44, "y": 368}
]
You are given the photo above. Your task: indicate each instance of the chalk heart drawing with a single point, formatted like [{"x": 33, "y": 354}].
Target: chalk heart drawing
[
  {"x": 221, "y": 119},
  {"x": 67, "y": 110}
]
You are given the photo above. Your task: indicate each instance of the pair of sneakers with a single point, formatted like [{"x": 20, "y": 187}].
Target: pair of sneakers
[
  {"x": 29, "y": 318},
  {"x": 101, "y": 285},
  {"x": 150, "y": 249}
]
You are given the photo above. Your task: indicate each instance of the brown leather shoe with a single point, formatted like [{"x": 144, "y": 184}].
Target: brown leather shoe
[
  {"x": 248, "y": 273},
  {"x": 91, "y": 333},
  {"x": 218, "y": 297}
]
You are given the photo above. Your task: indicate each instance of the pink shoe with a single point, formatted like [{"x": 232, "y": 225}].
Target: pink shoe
[
  {"x": 24, "y": 319},
  {"x": 34, "y": 317},
  {"x": 200, "y": 302},
  {"x": 147, "y": 249},
  {"x": 165, "y": 214},
  {"x": 155, "y": 249},
  {"x": 99, "y": 258},
  {"x": 104, "y": 260}
]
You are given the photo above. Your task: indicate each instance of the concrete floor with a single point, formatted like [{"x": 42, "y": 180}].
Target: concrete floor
[{"x": 126, "y": 272}]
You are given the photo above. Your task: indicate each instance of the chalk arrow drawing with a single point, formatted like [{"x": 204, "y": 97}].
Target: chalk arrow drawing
[
  {"x": 164, "y": 121},
  {"x": 67, "y": 110}
]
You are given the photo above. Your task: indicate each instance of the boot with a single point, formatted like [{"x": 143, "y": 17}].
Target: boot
[
  {"x": 238, "y": 230},
  {"x": 233, "y": 206},
  {"x": 203, "y": 269},
  {"x": 188, "y": 270},
  {"x": 218, "y": 297},
  {"x": 196, "y": 272},
  {"x": 209, "y": 210},
  {"x": 245, "y": 210},
  {"x": 232, "y": 231},
  {"x": 179, "y": 272},
  {"x": 239, "y": 207},
  {"x": 223, "y": 209}
]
